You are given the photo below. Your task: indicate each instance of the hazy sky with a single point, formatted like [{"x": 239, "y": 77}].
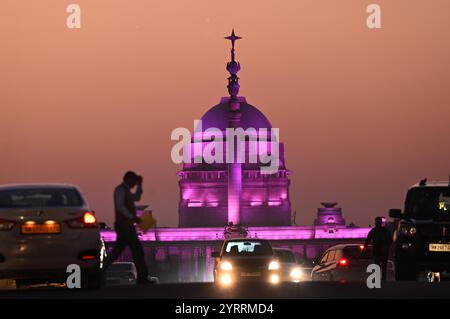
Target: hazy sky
[{"x": 363, "y": 113}]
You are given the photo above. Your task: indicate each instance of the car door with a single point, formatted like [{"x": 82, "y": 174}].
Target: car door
[
  {"x": 332, "y": 259},
  {"x": 328, "y": 266},
  {"x": 319, "y": 271}
]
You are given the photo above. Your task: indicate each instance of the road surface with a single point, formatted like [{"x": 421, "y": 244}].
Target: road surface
[{"x": 309, "y": 290}]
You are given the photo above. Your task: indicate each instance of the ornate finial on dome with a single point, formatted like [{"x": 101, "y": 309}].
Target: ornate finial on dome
[
  {"x": 233, "y": 37},
  {"x": 233, "y": 68}
]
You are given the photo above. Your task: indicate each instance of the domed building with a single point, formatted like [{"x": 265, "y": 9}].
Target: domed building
[{"x": 213, "y": 194}]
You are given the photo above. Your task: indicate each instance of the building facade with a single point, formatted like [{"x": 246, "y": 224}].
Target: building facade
[{"x": 263, "y": 197}]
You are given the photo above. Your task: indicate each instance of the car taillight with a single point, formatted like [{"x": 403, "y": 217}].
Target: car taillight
[
  {"x": 88, "y": 254},
  {"x": 88, "y": 220},
  {"x": 6, "y": 224},
  {"x": 343, "y": 262},
  {"x": 88, "y": 257}
]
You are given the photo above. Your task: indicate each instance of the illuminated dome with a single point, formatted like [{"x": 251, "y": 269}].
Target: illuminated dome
[
  {"x": 217, "y": 116},
  {"x": 225, "y": 187}
]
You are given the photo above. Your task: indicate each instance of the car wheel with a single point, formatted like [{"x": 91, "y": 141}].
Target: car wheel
[{"x": 405, "y": 271}]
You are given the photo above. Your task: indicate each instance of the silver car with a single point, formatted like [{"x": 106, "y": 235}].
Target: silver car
[
  {"x": 346, "y": 263},
  {"x": 44, "y": 228}
]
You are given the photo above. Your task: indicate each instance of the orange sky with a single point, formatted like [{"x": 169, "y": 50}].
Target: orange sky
[{"x": 363, "y": 113}]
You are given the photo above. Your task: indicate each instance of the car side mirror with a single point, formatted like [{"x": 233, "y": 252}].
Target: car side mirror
[
  {"x": 215, "y": 254},
  {"x": 395, "y": 213}
]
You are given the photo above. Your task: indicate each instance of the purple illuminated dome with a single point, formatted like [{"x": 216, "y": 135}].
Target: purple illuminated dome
[
  {"x": 217, "y": 116},
  {"x": 214, "y": 194}
]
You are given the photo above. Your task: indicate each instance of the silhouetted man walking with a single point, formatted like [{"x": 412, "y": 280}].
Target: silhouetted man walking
[
  {"x": 125, "y": 211},
  {"x": 381, "y": 240}
]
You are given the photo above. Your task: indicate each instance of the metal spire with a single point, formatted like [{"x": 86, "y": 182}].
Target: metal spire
[
  {"x": 233, "y": 68},
  {"x": 234, "y": 168},
  {"x": 233, "y": 37}
]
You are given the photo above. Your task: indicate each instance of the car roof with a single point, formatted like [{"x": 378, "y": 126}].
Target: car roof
[
  {"x": 244, "y": 239},
  {"x": 342, "y": 246},
  {"x": 432, "y": 184},
  {"x": 36, "y": 185}
]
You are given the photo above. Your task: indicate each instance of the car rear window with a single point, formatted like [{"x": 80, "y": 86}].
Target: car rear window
[
  {"x": 40, "y": 197},
  {"x": 354, "y": 252},
  {"x": 285, "y": 256},
  {"x": 248, "y": 248},
  {"x": 425, "y": 202}
]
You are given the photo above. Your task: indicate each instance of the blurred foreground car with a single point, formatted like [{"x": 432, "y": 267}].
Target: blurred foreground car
[
  {"x": 245, "y": 260},
  {"x": 43, "y": 229},
  {"x": 422, "y": 237},
  {"x": 346, "y": 263},
  {"x": 121, "y": 273},
  {"x": 290, "y": 270}
]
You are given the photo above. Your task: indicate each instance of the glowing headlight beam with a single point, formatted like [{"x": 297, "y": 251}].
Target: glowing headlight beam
[
  {"x": 296, "y": 274},
  {"x": 226, "y": 266},
  {"x": 225, "y": 279},
  {"x": 274, "y": 279},
  {"x": 274, "y": 265}
]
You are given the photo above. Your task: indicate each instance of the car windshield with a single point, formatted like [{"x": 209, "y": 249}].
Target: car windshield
[
  {"x": 354, "y": 252},
  {"x": 248, "y": 248},
  {"x": 40, "y": 197},
  {"x": 285, "y": 256},
  {"x": 426, "y": 202}
]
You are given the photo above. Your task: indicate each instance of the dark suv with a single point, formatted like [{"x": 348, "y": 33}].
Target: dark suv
[{"x": 422, "y": 236}]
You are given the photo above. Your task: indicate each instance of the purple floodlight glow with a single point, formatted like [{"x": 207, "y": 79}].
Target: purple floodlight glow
[
  {"x": 274, "y": 203},
  {"x": 271, "y": 233},
  {"x": 195, "y": 204},
  {"x": 187, "y": 194},
  {"x": 234, "y": 192},
  {"x": 213, "y": 204},
  {"x": 256, "y": 203}
]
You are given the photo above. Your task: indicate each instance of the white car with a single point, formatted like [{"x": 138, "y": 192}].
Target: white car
[
  {"x": 121, "y": 273},
  {"x": 290, "y": 269},
  {"x": 43, "y": 229}
]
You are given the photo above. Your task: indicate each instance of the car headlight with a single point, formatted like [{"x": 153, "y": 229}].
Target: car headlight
[
  {"x": 296, "y": 273},
  {"x": 274, "y": 265},
  {"x": 226, "y": 279},
  {"x": 226, "y": 266},
  {"x": 408, "y": 230},
  {"x": 274, "y": 279}
]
